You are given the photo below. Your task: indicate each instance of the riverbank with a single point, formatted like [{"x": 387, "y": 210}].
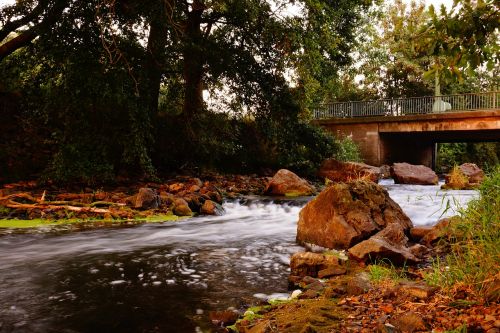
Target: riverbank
[
  {"x": 454, "y": 288},
  {"x": 29, "y": 205}
]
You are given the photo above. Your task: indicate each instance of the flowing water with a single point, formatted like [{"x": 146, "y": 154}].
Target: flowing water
[{"x": 166, "y": 277}]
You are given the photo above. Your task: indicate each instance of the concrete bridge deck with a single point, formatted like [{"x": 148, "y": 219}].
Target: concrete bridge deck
[{"x": 412, "y": 138}]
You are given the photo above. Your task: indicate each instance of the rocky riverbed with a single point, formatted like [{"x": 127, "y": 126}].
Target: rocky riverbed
[{"x": 202, "y": 274}]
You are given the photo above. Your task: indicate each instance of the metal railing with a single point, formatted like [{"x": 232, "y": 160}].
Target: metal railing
[{"x": 409, "y": 106}]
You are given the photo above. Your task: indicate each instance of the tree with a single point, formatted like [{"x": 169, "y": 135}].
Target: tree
[
  {"x": 460, "y": 40},
  {"x": 95, "y": 74}
]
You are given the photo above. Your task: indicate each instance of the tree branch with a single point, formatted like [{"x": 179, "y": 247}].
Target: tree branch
[
  {"x": 11, "y": 26},
  {"x": 27, "y": 36}
]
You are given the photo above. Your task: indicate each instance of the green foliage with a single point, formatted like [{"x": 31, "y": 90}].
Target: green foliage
[
  {"x": 485, "y": 154},
  {"x": 401, "y": 48},
  {"x": 475, "y": 253},
  {"x": 116, "y": 88},
  {"x": 347, "y": 150}
]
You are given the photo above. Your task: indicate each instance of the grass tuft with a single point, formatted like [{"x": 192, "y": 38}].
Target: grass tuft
[
  {"x": 474, "y": 257},
  {"x": 385, "y": 270}
]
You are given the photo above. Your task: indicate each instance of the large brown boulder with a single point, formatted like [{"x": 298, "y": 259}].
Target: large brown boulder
[
  {"x": 338, "y": 171},
  {"x": 404, "y": 173},
  {"x": 287, "y": 183},
  {"x": 474, "y": 174},
  {"x": 345, "y": 214}
]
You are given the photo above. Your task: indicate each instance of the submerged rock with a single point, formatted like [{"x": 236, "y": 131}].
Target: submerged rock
[
  {"x": 337, "y": 171},
  {"x": 288, "y": 183},
  {"x": 404, "y": 173},
  {"x": 343, "y": 215}
]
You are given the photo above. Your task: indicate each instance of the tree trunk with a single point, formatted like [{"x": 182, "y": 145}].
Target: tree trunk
[
  {"x": 154, "y": 62},
  {"x": 193, "y": 63}
]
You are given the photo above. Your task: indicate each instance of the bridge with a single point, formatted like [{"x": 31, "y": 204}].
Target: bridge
[{"x": 407, "y": 129}]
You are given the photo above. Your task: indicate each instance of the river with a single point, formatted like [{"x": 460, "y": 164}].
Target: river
[{"x": 166, "y": 277}]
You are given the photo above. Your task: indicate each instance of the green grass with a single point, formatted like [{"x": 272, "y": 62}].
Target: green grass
[
  {"x": 385, "y": 270},
  {"x": 37, "y": 223},
  {"x": 475, "y": 248}
]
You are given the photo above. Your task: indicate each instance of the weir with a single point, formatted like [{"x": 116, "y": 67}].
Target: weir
[{"x": 407, "y": 130}]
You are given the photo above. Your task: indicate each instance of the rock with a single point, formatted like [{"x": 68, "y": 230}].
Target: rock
[
  {"x": 317, "y": 286},
  {"x": 146, "y": 198},
  {"x": 404, "y": 173},
  {"x": 181, "y": 208},
  {"x": 358, "y": 284},
  {"x": 177, "y": 187},
  {"x": 344, "y": 214},
  {"x": 338, "y": 171},
  {"x": 310, "y": 264},
  {"x": 385, "y": 171},
  {"x": 417, "y": 233},
  {"x": 287, "y": 183},
  {"x": 194, "y": 201},
  {"x": 309, "y": 294},
  {"x": 211, "y": 208},
  {"x": 409, "y": 322},
  {"x": 167, "y": 198},
  {"x": 194, "y": 188},
  {"x": 437, "y": 232},
  {"x": 295, "y": 294},
  {"x": 223, "y": 318},
  {"x": 418, "y": 290},
  {"x": 419, "y": 250},
  {"x": 390, "y": 243},
  {"x": 197, "y": 182},
  {"x": 474, "y": 174},
  {"x": 331, "y": 271}
]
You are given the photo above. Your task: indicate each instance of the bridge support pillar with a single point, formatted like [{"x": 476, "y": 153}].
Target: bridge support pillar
[{"x": 366, "y": 136}]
